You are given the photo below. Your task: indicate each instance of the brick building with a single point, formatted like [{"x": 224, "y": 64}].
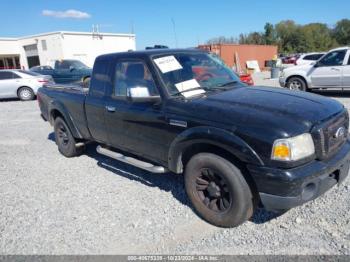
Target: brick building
[{"x": 260, "y": 53}]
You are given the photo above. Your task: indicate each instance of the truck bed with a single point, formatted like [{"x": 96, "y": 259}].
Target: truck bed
[{"x": 72, "y": 97}]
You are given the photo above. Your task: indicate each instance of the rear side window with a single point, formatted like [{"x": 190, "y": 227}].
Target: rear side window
[
  {"x": 99, "y": 78},
  {"x": 5, "y": 75},
  {"x": 29, "y": 73},
  {"x": 313, "y": 57},
  {"x": 309, "y": 57},
  {"x": 318, "y": 56},
  {"x": 62, "y": 64}
]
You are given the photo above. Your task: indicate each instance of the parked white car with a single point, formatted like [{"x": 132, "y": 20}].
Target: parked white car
[
  {"x": 331, "y": 71},
  {"x": 22, "y": 84},
  {"x": 309, "y": 58}
]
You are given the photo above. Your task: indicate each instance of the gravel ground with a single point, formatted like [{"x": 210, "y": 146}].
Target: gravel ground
[{"x": 95, "y": 205}]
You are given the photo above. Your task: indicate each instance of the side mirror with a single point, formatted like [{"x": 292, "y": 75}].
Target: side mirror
[
  {"x": 71, "y": 68},
  {"x": 141, "y": 95}
]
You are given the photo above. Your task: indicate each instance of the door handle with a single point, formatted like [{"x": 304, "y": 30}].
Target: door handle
[
  {"x": 110, "y": 108},
  {"x": 335, "y": 69}
]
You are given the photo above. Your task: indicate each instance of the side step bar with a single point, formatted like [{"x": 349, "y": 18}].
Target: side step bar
[{"x": 129, "y": 160}]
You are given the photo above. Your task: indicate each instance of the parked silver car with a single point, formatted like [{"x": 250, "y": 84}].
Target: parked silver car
[
  {"x": 22, "y": 84},
  {"x": 331, "y": 71}
]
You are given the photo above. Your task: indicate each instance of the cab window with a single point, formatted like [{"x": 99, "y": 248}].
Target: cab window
[
  {"x": 132, "y": 74},
  {"x": 334, "y": 58}
]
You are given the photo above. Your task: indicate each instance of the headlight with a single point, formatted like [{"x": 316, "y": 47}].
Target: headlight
[
  {"x": 282, "y": 73},
  {"x": 293, "y": 148}
]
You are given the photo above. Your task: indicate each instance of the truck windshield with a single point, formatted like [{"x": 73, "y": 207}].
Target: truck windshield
[
  {"x": 194, "y": 73},
  {"x": 77, "y": 64}
]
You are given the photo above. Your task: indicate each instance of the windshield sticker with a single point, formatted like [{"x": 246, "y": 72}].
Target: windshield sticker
[
  {"x": 167, "y": 64},
  {"x": 186, "y": 86}
]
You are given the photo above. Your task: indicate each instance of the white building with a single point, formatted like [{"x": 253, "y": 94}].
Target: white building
[{"x": 43, "y": 49}]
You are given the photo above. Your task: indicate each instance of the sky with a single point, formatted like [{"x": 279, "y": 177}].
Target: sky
[{"x": 154, "y": 21}]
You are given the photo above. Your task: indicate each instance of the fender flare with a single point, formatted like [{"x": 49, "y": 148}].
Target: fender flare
[
  {"x": 211, "y": 136},
  {"x": 56, "y": 105}
]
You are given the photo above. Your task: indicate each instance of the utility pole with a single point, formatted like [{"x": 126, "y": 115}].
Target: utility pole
[
  {"x": 173, "y": 21},
  {"x": 132, "y": 26}
]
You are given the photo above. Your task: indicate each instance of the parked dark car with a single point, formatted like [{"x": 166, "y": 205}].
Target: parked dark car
[
  {"x": 238, "y": 147},
  {"x": 66, "y": 71}
]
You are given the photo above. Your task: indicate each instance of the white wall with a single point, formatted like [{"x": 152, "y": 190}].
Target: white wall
[
  {"x": 86, "y": 48},
  {"x": 68, "y": 45},
  {"x": 54, "y": 49},
  {"x": 9, "y": 47}
]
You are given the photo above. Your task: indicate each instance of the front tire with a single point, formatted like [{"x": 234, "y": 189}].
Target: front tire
[
  {"x": 25, "y": 93},
  {"x": 218, "y": 190},
  {"x": 296, "y": 83},
  {"x": 64, "y": 139}
]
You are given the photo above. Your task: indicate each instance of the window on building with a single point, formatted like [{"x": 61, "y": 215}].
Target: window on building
[{"x": 43, "y": 44}]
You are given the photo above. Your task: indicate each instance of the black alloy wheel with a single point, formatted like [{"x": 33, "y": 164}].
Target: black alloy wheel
[{"x": 213, "y": 190}]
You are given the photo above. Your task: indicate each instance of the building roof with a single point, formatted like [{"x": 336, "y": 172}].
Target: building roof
[{"x": 65, "y": 33}]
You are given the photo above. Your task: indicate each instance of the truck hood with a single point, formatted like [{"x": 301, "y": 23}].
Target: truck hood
[{"x": 274, "y": 110}]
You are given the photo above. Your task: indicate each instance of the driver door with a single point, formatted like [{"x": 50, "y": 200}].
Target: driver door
[
  {"x": 328, "y": 71},
  {"x": 136, "y": 127}
]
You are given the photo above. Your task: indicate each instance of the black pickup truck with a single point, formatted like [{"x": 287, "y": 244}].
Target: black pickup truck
[{"x": 184, "y": 111}]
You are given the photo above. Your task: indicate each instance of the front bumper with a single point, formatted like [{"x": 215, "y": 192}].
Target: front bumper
[{"x": 287, "y": 188}]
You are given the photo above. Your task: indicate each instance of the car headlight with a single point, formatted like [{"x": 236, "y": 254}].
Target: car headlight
[
  {"x": 282, "y": 73},
  {"x": 293, "y": 148}
]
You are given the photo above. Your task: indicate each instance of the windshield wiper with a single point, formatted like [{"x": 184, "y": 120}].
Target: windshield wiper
[
  {"x": 228, "y": 83},
  {"x": 191, "y": 89}
]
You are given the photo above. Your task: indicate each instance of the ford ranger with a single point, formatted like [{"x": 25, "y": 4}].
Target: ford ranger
[{"x": 238, "y": 147}]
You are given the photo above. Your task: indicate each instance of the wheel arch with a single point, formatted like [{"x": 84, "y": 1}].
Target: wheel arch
[
  {"x": 57, "y": 110},
  {"x": 19, "y": 88},
  {"x": 83, "y": 78},
  {"x": 303, "y": 78},
  {"x": 211, "y": 140},
  {"x": 221, "y": 143}
]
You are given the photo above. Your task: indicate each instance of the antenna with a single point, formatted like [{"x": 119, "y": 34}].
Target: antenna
[
  {"x": 95, "y": 32},
  {"x": 173, "y": 21},
  {"x": 132, "y": 26}
]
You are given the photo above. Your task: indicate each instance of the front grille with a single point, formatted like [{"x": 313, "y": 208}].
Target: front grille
[{"x": 327, "y": 136}]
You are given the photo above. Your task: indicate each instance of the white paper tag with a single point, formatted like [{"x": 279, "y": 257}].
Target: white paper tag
[
  {"x": 139, "y": 92},
  {"x": 167, "y": 64},
  {"x": 189, "y": 84}
]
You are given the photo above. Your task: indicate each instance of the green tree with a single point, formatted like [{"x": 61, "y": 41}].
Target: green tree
[
  {"x": 315, "y": 37},
  {"x": 341, "y": 32},
  {"x": 254, "y": 38},
  {"x": 270, "y": 34},
  {"x": 289, "y": 37},
  {"x": 293, "y": 38}
]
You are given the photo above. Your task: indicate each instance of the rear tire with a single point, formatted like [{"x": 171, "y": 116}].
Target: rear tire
[
  {"x": 64, "y": 139},
  {"x": 218, "y": 190},
  {"x": 296, "y": 83},
  {"x": 25, "y": 93}
]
